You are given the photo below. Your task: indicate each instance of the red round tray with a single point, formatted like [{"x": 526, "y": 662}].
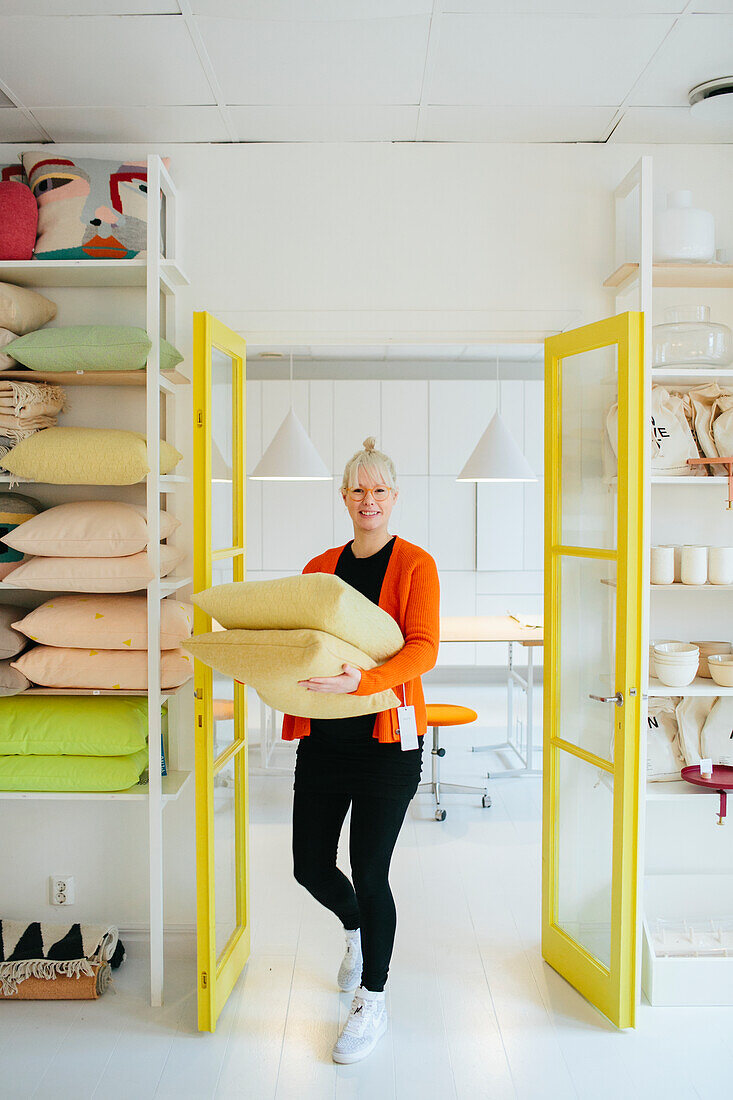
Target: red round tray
[{"x": 722, "y": 778}]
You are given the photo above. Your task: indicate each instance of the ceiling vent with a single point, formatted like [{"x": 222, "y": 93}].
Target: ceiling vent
[{"x": 713, "y": 99}]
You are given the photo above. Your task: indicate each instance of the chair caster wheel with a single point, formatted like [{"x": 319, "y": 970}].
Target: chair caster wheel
[
  {"x": 440, "y": 815},
  {"x": 486, "y": 801}
]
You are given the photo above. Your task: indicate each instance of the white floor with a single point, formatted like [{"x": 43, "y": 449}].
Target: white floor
[{"x": 475, "y": 1012}]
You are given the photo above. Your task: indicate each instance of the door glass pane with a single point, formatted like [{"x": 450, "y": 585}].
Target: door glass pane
[
  {"x": 587, "y": 653},
  {"x": 589, "y": 388},
  {"x": 225, "y": 895},
  {"x": 221, "y": 450},
  {"x": 223, "y": 701},
  {"x": 585, "y": 854},
  {"x": 222, "y": 572}
]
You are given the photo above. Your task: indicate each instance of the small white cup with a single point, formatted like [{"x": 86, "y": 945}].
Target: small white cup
[
  {"x": 662, "y": 565},
  {"x": 694, "y": 565},
  {"x": 720, "y": 564}
]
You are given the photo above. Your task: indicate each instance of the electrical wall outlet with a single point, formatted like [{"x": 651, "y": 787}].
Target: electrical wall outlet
[{"x": 63, "y": 890}]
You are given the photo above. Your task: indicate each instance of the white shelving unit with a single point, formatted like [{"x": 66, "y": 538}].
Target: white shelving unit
[
  {"x": 159, "y": 276},
  {"x": 690, "y": 836}
]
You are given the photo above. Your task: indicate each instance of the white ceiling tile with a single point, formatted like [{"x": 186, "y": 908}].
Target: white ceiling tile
[
  {"x": 376, "y": 61},
  {"x": 419, "y": 351},
  {"x": 109, "y": 61},
  {"x": 528, "y": 60},
  {"x": 180, "y": 124},
  {"x": 670, "y": 126},
  {"x": 324, "y": 123},
  {"x": 333, "y": 351},
  {"x": 568, "y": 7},
  {"x": 14, "y": 126},
  {"x": 515, "y": 124},
  {"x": 713, "y": 6},
  {"x": 89, "y": 7},
  {"x": 311, "y": 9},
  {"x": 699, "y": 48}
]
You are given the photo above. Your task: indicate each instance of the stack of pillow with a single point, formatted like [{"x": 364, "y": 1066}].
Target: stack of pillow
[
  {"x": 279, "y": 632},
  {"x": 12, "y": 643},
  {"x": 88, "y": 546},
  {"x": 72, "y": 743},
  {"x": 86, "y": 641}
]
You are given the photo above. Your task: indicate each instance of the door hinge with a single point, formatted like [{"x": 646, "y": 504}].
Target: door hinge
[
  {"x": 204, "y": 980},
  {"x": 199, "y": 418}
]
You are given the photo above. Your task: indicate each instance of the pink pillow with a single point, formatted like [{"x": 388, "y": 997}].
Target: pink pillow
[
  {"x": 88, "y": 529},
  {"x": 53, "y": 666},
  {"x": 128, "y": 574},
  {"x": 18, "y": 221},
  {"x": 105, "y": 622}
]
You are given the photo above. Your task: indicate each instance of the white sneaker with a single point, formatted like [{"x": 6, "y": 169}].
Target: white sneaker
[
  {"x": 364, "y": 1028},
  {"x": 349, "y": 974}
]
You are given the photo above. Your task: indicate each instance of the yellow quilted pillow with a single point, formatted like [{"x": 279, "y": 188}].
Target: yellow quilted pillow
[
  {"x": 272, "y": 662},
  {"x": 313, "y": 601},
  {"x": 86, "y": 456}
]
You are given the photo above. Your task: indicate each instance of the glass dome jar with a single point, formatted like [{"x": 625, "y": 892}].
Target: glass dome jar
[{"x": 688, "y": 338}]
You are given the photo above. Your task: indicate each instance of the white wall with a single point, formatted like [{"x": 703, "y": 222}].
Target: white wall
[{"x": 301, "y": 243}]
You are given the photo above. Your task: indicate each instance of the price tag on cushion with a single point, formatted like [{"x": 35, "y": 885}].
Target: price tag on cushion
[{"x": 408, "y": 727}]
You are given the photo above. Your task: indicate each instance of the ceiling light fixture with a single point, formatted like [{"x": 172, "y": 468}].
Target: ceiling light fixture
[
  {"x": 497, "y": 456},
  {"x": 713, "y": 99},
  {"x": 291, "y": 456}
]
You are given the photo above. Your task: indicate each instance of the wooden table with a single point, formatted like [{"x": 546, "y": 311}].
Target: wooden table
[{"x": 503, "y": 628}]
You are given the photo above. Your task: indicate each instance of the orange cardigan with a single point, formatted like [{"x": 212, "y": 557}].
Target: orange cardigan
[{"x": 411, "y": 595}]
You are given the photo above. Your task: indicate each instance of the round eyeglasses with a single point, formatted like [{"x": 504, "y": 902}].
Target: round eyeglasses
[{"x": 379, "y": 492}]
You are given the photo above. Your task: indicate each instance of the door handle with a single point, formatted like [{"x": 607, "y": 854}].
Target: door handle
[{"x": 618, "y": 698}]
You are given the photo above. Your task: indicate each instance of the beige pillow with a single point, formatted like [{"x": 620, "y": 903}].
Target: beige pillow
[
  {"x": 88, "y": 529},
  {"x": 86, "y": 456},
  {"x": 272, "y": 662},
  {"x": 312, "y": 601},
  {"x": 23, "y": 310},
  {"x": 11, "y": 642},
  {"x": 128, "y": 574},
  {"x": 6, "y": 361},
  {"x": 53, "y": 666},
  {"x": 103, "y": 622}
]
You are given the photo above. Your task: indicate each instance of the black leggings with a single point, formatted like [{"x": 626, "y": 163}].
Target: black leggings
[{"x": 368, "y": 904}]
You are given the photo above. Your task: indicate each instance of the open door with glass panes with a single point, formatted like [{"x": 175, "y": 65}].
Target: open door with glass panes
[
  {"x": 592, "y": 675},
  {"x": 220, "y": 714}
]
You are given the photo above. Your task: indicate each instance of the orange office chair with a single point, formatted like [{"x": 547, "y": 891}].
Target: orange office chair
[{"x": 446, "y": 714}]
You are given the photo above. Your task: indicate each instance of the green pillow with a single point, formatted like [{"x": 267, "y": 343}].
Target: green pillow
[
  {"x": 71, "y": 773},
  {"x": 89, "y": 347},
  {"x": 78, "y": 725}
]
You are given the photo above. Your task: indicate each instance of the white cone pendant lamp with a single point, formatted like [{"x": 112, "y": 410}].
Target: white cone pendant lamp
[
  {"x": 497, "y": 456},
  {"x": 291, "y": 455}
]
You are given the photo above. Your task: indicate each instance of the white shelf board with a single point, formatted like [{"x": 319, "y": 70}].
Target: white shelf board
[
  {"x": 167, "y": 587},
  {"x": 168, "y": 482},
  {"x": 674, "y": 275},
  {"x": 660, "y": 479},
  {"x": 677, "y": 790},
  {"x": 173, "y": 784},
  {"x": 165, "y": 692},
  {"x": 172, "y": 584},
  {"x": 696, "y": 375},
  {"x": 699, "y": 686},
  {"x": 99, "y": 273},
  {"x": 691, "y": 587}
]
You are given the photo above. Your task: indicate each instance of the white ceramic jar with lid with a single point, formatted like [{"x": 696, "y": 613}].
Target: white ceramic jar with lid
[{"x": 683, "y": 233}]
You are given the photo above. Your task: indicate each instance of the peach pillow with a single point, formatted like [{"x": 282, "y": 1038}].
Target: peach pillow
[
  {"x": 128, "y": 574},
  {"x": 105, "y": 622},
  {"x": 54, "y": 666},
  {"x": 87, "y": 529}
]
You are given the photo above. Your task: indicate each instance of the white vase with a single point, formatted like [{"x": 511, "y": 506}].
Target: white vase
[
  {"x": 662, "y": 565},
  {"x": 694, "y": 565},
  {"x": 720, "y": 564},
  {"x": 682, "y": 233}
]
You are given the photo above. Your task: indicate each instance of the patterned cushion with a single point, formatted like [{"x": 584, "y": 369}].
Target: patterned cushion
[
  {"x": 99, "y": 622},
  {"x": 103, "y": 669},
  {"x": 88, "y": 209}
]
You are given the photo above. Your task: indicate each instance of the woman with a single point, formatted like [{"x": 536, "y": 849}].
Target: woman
[{"x": 359, "y": 762}]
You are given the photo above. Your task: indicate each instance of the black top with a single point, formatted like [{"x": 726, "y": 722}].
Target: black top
[{"x": 366, "y": 575}]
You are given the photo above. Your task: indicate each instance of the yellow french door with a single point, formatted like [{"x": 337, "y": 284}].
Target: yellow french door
[
  {"x": 220, "y": 713},
  {"x": 593, "y": 616}
]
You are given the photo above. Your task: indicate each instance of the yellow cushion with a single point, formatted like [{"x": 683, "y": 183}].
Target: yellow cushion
[
  {"x": 313, "y": 601},
  {"x": 86, "y": 456},
  {"x": 272, "y": 662}
]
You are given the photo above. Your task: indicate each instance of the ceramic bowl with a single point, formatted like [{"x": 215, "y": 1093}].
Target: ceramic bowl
[
  {"x": 679, "y": 650},
  {"x": 652, "y": 667},
  {"x": 677, "y": 675},
  {"x": 708, "y": 648},
  {"x": 721, "y": 668}
]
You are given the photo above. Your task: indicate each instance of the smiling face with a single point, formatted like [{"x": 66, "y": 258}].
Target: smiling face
[{"x": 372, "y": 513}]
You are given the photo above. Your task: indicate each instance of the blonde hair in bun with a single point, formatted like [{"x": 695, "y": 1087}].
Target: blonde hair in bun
[{"x": 378, "y": 467}]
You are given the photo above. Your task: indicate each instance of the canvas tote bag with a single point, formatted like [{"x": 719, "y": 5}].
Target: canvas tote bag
[
  {"x": 692, "y": 713},
  {"x": 716, "y": 740},
  {"x": 672, "y": 439},
  {"x": 664, "y": 759}
]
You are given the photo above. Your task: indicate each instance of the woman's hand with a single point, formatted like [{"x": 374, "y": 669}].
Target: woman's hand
[{"x": 347, "y": 682}]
